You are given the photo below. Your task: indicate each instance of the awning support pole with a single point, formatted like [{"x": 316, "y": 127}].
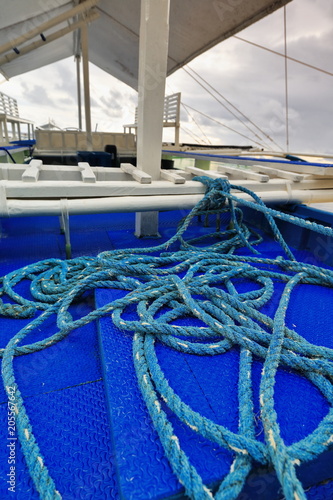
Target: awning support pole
[
  {"x": 78, "y": 83},
  {"x": 153, "y": 57},
  {"x": 85, "y": 64}
]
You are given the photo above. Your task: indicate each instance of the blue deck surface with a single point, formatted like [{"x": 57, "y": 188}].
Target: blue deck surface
[
  {"x": 96, "y": 436},
  {"x": 62, "y": 386}
]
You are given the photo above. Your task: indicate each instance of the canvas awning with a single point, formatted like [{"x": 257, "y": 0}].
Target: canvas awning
[{"x": 195, "y": 26}]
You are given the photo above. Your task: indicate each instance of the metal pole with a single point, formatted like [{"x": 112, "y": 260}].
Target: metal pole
[
  {"x": 286, "y": 75},
  {"x": 78, "y": 82},
  {"x": 85, "y": 63}
]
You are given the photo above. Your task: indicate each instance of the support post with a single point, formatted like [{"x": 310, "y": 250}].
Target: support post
[
  {"x": 6, "y": 131},
  {"x": 177, "y": 126},
  {"x": 12, "y": 125},
  {"x": 85, "y": 63},
  {"x": 78, "y": 83},
  {"x": 177, "y": 129},
  {"x": 153, "y": 55},
  {"x": 64, "y": 227}
]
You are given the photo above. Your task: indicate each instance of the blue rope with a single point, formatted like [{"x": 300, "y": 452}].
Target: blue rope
[{"x": 163, "y": 283}]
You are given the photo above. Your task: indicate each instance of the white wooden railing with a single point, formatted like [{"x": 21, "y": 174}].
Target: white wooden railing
[
  {"x": 8, "y": 105},
  {"x": 171, "y": 116}
]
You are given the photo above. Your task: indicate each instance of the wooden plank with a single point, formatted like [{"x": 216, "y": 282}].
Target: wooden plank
[
  {"x": 87, "y": 174},
  {"x": 172, "y": 177},
  {"x": 136, "y": 173},
  {"x": 31, "y": 173},
  {"x": 242, "y": 173},
  {"x": 284, "y": 174},
  {"x": 208, "y": 173}
]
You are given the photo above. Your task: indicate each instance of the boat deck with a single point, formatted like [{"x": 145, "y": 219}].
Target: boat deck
[{"x": 83, "y": 400}]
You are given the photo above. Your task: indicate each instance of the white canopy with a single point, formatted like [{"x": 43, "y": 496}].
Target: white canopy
[{"x": 195, "y": 26}]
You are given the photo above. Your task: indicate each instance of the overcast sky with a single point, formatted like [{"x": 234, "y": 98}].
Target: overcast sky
[{"x": 250, "y": 78}]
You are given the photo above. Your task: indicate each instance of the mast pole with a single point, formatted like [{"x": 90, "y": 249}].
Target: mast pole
[
  {"x": 78, "y": 83},
  {"x": 85, "y": 64},
  {"x": 286, "y": 75}
]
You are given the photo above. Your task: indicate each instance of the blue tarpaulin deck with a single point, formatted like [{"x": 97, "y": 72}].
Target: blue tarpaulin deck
[{"x": 82, "y": 396}]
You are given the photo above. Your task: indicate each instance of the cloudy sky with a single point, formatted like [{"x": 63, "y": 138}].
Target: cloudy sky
[{"x": 251, "y": 78}]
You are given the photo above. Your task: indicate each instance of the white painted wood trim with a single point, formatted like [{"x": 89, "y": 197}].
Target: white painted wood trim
[{"x": 136, "y": 173}]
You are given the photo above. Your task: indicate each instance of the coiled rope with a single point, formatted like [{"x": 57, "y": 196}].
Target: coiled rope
[{"x": 164, "y": 283}]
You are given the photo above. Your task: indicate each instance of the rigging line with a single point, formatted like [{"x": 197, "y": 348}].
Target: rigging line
[
  {"x": 194, "y": 136},
  {"x": 197, "y": 124},
  {"x": 234, "y": 107},
  {"x": 282, "y": 55},
  {"x": 286, "y": 75},
  {"x": 192, "y": 117},
  {"x": 226, "y": 126},
  {"x": 220, "y": 102}
]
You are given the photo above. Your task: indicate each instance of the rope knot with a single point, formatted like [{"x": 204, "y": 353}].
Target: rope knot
[{"x": 216, "y": 189}]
